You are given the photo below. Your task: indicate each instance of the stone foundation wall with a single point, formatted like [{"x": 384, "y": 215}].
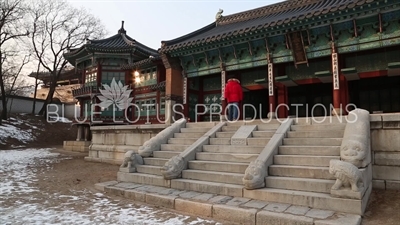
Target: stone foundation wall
[
  {"x": 385, "y": 144},
  {"x": 109, "y": 143},
  {"x": 76, "y": 146}
]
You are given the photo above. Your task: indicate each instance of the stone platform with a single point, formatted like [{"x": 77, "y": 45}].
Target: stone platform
[
  {"x": 77, "y": 146},
  {"x": 227, "y": 208}
]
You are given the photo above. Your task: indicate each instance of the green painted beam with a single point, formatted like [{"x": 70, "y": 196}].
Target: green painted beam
[
  {"x": 350, "y": 70},
  {"x": 394, "y": 65},
  {"x": 260, "y": 81},
  {"x": 325, "y": 73}
]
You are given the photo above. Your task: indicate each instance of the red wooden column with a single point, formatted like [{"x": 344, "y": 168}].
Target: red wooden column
[
  {"x": 282, "y": 101},
  {"x": 223, "y": 100},
  {"x": 344, "y": 93},
  {"x": 336, "y": 82},
  {"x": 173, "y": 88},
  {"x": 271, "y": 91}
]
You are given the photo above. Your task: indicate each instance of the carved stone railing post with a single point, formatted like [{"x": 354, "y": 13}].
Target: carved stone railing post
[
  {"x": 256, "y": 172},
  {"x": 353, "y": 172},
  {"x": 154, "y": 144},
  {"x": 174, "y": 167}
]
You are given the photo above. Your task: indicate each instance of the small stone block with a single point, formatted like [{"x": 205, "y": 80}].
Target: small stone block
[
  {"x": 127, "y": 185},
  {"x": 203, "y": 197},
  {"x": 266, "y": 217},
  {"x": 237, "y": 201},
  {"x": 135, "y": 195},
  {"x": 156, "y": 189},
  {"x": 114, "y": 190},
  {"x": 127, "y": 169},
  {"x": 100, "y": 186},
  {"x": 233, "y": 213},
  {"x": 220, "y": 199},
  {"x": 319, "y": 214},
  {"x": 161, "y": 200},
  {"x": 255, "y": 204},
  {"x": 392, "y": 185},
  {"x": 277, "y": 207},
  {"x": 189, "y": 194},
  {"x": 348, "y": 219},
  {"x": 144, "y": 188},
  {"x": 297, "y": 210},
  {"x": 378, "y": 184},
  {"x": 192, "y": 207}
]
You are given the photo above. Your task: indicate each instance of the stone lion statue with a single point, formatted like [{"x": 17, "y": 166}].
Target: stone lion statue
[
  {"x": 346, "y": 174},
  {"x": 255, "y": 175},
  {"x": 131, "y": 160},
  {"x": 173, "y": 168}
]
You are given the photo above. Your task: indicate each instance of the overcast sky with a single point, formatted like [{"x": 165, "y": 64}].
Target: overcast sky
[{"x": 153, "y": 21}]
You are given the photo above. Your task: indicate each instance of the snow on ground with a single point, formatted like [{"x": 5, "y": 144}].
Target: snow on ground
[
  {"x": 22, "y": 203},
  {"x": 11, "y": 131}
]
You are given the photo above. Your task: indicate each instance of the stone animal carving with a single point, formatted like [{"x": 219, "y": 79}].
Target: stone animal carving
[
  {"x": 255, "y": 175},
  {"x": 219, "y": 14},
  {"x": 346, "y": 174},
  {"x": 154, "y": 144},
  {"x": 131, "y": 159},
  {"x": 173, "y": 168},
  {"x": 355, "y": 147}
]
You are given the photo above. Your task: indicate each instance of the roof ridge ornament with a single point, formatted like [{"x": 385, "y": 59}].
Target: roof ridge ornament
[
  {"x": 219, "y": 14},
  {"x": 122, "y": 30}
]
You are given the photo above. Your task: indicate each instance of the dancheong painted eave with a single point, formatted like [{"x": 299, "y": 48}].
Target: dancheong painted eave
[
  {"x": 118, "y": 43},
  {"x": 268, "y": 19}
]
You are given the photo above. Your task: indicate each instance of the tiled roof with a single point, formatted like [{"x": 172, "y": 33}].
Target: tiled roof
[
  {"x": 260, "y": 19},
  {"x": 141, "y": 63},
  {"x": 119, "y": 43}
]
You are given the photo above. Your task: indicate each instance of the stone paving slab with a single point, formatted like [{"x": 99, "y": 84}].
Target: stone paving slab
[{"x": 236, "y": 210}]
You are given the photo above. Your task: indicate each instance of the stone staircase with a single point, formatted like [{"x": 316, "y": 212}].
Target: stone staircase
[
  {"x": 300, "y": 173},
  {"x": 220, "y": 167},
  {"x": 149, "y": 173}
]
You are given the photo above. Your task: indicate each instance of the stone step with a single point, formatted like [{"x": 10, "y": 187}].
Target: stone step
[
  {"x": 195, "y": 130},
  {"x": 201, "y": 124},
  {"x": 173, "y": 147},
  {"x": 309, "y": 150},
  {"x": 252, "y": 122},
  {"x": 224, "y": 134},
  {"x": 155, "y": 161},
  {"x": 220, "y": 141},
  {"x": 263, "y": 134},
  {"x": 207, "y": 187},
  {"x": 142, "y": 178},
  {"x": 182, "y": 141},
  {"x": 231, "y": 167},
  {"x": 258, "y": 141},
  {"x": 316, "y": 134},
  {"x": 221, "y": 177},
  {"x": 300, "y": 184},
  {"x": 313, "y": 141},
  {"x": 164, "y": 154},
  {"x": 226, "y": 157},
  {"x": 230, "y": 128},
  {"x": 306, "y": 160},
  {"x": 188, "y": 135},
  {"x": 318, "y": 127},
  {"x": 267, "y": 126},
  {"x": 305, "y": 198},
  {"x": 300, "y": 171},
  {"x": 154, "y": 170},
  {"x": 232, "y": 149}
]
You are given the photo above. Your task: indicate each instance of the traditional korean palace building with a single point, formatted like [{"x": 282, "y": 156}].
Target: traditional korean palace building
[
  {"x": 130, "y": 64},
  {"x": 302, "y": 54}
]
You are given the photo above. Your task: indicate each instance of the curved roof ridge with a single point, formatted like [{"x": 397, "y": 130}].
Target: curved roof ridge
[
  {"x": 189, "y": 35},
  {"x": 265, "y": 11}
]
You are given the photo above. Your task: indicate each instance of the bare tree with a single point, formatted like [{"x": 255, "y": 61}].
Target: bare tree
[
  {"x": 57, "y": 28},
  {"x": 12, "y": 13}
]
